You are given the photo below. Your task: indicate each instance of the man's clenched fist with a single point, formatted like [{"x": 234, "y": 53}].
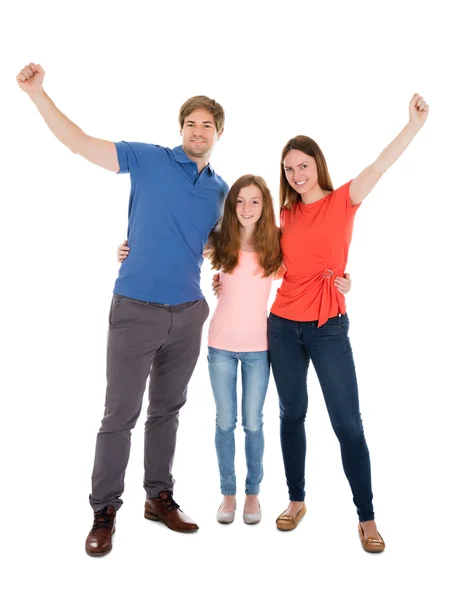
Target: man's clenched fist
[{"x": 30, "y": 78}]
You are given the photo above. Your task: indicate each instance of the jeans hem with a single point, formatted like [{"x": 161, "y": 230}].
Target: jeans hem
[
  {"x": 363, "y": 519},
  {"x": 296, "y": 498}
]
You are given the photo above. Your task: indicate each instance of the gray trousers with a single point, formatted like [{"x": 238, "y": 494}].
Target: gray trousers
[{"x": 145, "y": 339}]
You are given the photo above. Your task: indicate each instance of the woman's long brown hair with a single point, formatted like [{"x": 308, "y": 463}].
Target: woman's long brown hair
[
  {"x": 225, "y": 238},
  {"x": 288, "y": 196}
]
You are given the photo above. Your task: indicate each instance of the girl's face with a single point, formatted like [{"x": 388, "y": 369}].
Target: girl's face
[
  {"x": 300, "y": 171},
  {"x": 248, "y": 205}
]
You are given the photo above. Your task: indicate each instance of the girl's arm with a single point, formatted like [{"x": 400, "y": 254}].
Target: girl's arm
[
  {"x": 279, "y": 274},
  {"x": 123, "y": 251},
  {"x": 362, "y": 185},
  {"x": 207, "y": 250}
]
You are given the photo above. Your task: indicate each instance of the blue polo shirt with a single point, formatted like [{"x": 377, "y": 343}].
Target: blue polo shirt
[{"x": 172, "y": 209}]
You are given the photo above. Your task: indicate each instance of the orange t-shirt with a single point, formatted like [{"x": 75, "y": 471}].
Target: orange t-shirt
[{"x": 315, "y": 239}]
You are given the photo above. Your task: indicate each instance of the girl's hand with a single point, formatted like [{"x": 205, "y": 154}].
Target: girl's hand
[
  {"x": 123, "y": 251},
  {"x": 216, "y": 285},
  {"x": 418, "y": 111},
  {"x": 343, "y": 284}
]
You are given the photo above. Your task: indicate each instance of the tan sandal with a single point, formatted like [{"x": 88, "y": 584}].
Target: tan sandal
[
  {"x": 287, "y": 522},
  {"x": 371, "y": 544}
]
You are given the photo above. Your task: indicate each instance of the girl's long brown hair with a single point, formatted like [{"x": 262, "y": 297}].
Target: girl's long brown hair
[
  {"x": 288, "y": 196},
  {"x": 225, "y": 238}
]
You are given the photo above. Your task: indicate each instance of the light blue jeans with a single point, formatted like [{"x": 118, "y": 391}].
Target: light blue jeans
[{"x": 223, "y": 366}]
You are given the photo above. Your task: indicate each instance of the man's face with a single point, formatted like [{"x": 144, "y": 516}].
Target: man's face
[{"x": 199, "y": 134}]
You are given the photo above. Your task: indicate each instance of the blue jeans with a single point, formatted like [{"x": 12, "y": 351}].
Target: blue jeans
[
  {"x": 292, "y": 344},
  {"x": 223, "y": 366}
]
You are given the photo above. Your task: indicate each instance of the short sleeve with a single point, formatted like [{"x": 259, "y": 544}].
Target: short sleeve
[
  {"x": 344, "y": 194},
  {"x": 136, "y": 158}
]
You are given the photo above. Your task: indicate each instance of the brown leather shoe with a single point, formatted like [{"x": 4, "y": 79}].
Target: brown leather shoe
[
  {"x": 371, "y": 544},
  {"x": 165, "y": 509},
  {"x": 98, "y": 542},
  {"x": 287, "y": 522}
]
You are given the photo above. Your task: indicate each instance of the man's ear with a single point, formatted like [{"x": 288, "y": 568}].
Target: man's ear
[{"x": 220, "y": 133}]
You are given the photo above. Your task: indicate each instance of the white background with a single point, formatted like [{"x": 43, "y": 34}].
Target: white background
[{"x": 341, "y": 72}]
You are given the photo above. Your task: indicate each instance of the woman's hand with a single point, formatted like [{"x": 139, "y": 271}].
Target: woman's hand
[
  {"x": 343, "y": 284},
  {"x": 123, "y": 251},
  {"x": 362, "y": 185},
  {"x": 418, "y": 111},
  {"x": 30, "y": 78},
  {"x": 217, "y": 285}
]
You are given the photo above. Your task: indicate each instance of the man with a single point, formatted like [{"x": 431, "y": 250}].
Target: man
[{"x": 158, "y": 309}]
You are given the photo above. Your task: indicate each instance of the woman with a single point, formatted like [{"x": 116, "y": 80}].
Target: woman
[
  {"x": 308, "y": 320},
  {"x": 245, "y": 247}
]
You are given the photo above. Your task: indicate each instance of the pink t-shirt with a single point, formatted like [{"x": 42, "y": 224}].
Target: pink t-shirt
[{"x": 239, "y": 323}]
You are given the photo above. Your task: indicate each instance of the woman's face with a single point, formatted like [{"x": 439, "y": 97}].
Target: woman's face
[
  {"x": 300, "y": 171},
  {"x": 248, "y": 205}
]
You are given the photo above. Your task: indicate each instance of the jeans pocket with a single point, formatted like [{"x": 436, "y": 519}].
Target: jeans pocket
[
  {"x": 344, "y": 323},
  {"x": 216, "y": 355},
  {"x": 206, "y": 309},
  {"x": 334, "y": 325},
  {"x": 114, "y": 309}
]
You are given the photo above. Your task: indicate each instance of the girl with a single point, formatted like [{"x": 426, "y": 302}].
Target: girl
[
  {"x": 245, "y": 247},
  {"x": 308, "y": 320}
]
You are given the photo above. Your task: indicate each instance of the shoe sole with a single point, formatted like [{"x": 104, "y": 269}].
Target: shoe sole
[
  {"x": 283, "y": 528},
  {"x": 152, "y": 517},
  {"x": 371, "y": 551}
]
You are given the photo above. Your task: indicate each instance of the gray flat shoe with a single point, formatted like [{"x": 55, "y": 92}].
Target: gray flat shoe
[
  {"x": 225, "y": 517},
  {"x": 252, "y": 518}
]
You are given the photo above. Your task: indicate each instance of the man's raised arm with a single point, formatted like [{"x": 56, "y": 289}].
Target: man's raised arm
[{"x": 99, "y": 152}]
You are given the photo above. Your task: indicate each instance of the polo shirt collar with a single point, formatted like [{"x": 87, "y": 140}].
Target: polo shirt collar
[{"x": 181, "y": 157}]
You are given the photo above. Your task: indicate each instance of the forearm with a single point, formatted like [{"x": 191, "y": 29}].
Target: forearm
[
  {"x": 208, "y": 248},
  {"x": 100, "y": 152},
  {"x": 394, "y": 150},
  {"x": 280, "y": 273},
  {"x": 362, "y": 185},
  {"x": 65, "y": 130}
]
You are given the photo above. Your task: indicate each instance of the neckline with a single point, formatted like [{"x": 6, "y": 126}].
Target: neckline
[{"x": 312, "y": 204}]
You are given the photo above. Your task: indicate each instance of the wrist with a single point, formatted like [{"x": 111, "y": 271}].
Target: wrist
[
  {"x": 413, "y": 127},
  {"x": 36, "y": 95}
]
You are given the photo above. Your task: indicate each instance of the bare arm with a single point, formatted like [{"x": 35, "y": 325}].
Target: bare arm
[
  {"x": 362, "y": 185},
  {"x": 100, "y": 152},
  {"x": 279, "y": 274},
  {"x": 207, "y": 250}
]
